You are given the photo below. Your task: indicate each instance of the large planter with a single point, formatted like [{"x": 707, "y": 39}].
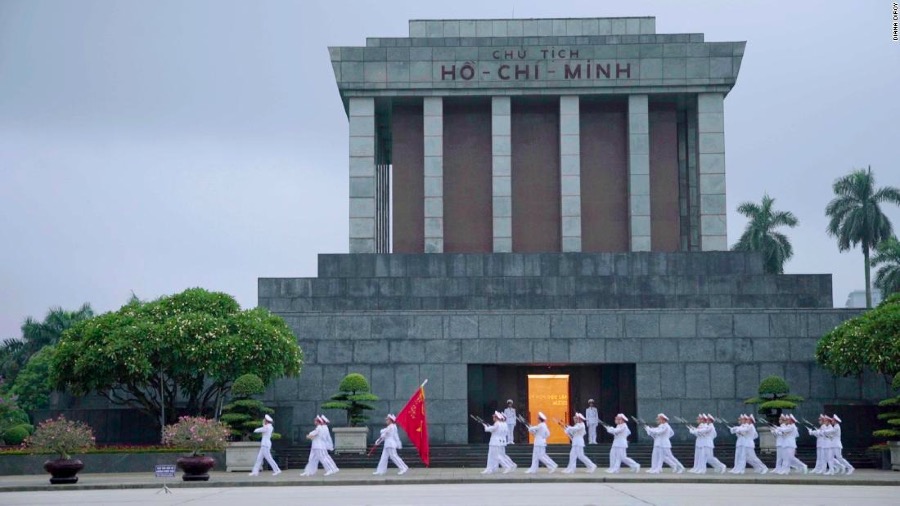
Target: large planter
[
  {"x": 63, "y": 471},
  {"x": 350, "y": 439},
  {"x": 196, "y": 467},
  {"x": 241, "y": 455},
  {"x": 766, "y": 440},
  {"x": 895, "y": 455}
]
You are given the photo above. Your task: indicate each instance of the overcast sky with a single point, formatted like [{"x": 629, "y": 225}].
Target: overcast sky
[{"x": 148, "y": 147}]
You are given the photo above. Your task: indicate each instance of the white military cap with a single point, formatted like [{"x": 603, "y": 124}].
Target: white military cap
[
  {"x": 498, "y": 415},
  {"x": 622, "y": 416},
  {"x": 710, "y": 416},
  {"x": 509, "y": 401},
  {"x": 392, "y": 417},
  {"x": 590, "y": 400},
  {"x": 542, "y": 416},
  {"x": 268, "y": 418},
  {"x": 324, "y": 418},
  {"x": 579, "y": 415},
  {"x": 319, "y": 418},
  {"x": 792, "y": 418},
  {"x": 663, "y": 416},
  {"x": 836, "y": 418},
  {"x": 752, "y": 418}
]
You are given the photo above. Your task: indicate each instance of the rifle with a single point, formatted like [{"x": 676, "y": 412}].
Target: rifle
[
  {"x": 684, "y": 421},
  {"x": 478, "y": 419},
  {"x": 723, "y": 422},
  {"x": 809, "y": 424},
  {"x": 639, "y": 421},
  {"x": 372, "y": 450},
  {"x": 524, "y": 422}
]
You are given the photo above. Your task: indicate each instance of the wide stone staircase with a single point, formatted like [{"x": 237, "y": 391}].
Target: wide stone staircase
[{"x": 475, "y": 455}]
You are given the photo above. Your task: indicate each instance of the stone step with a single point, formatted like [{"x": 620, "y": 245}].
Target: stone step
[{"x": 538, "y": 264}]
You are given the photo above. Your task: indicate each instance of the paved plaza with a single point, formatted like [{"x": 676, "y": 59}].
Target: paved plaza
[{"x": 520, "y": 494}]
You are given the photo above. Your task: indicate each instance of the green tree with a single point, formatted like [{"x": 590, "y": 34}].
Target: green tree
[
  {"x": 774, "y": 396},
  {"x": 856, "y": 217},
  {"x": 890, "y": 414},
  {"x": 354, "y": 397},
  {"x": 870, "y": 341},
  {"x": 761, "y": 235},
  {"x": 887, "y": 255},
  {"x": 14, "y": 353},
  {"x": 32, "y": 385},
  {"x": 186, "y": 347},
  {"x": 244, "y": 413}
]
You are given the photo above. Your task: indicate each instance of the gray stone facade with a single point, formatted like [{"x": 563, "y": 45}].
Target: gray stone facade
[{"x": 399, "y": 319}]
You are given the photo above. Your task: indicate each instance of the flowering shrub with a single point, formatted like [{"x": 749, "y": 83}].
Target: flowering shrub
[
  {"x": 197, "y": 434},
  {"x": 61, "y": 436},
  {"x": 104, "y": 449}
]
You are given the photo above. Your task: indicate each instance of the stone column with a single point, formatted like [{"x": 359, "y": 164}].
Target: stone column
[
  {"x": 501, "y": 170},
  {"x": 570, "y": 172},
  {"x": 434, "y": 174},
  {"x": 362, "y": 175},
  {"x": 711, "y": 166},
  {"x": 639, "y": 172}
]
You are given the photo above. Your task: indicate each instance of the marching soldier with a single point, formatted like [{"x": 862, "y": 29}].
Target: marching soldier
[
  {"x": 328, "y": 462},
  {"x": 789, "y": 434},
  {"x": 265, "y": 448},
  {"x": 745, "y": 446},
  {"x": 391, "y": 441},
  {"x": 662, "y": 447},
  {"x": 510, "y": 415},
  {"x": 839, "y": 447},
  {"x": 495, "y": 444},
  {"x": 593, "y": 420},
  {"x": 505, "y": 462},
  {"x": 618, "y": 453},
  {"x": 539, "y": 451},
  {"x": 318, "y": 452},
  {"x": 780, "y": 433},
  {"x": 825, "y": 461},
  {"x": 705, "y": 432},
  {"x": 576, "y": 434}
]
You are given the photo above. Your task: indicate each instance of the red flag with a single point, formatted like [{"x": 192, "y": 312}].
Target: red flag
[{"x": 413, "y": 420}]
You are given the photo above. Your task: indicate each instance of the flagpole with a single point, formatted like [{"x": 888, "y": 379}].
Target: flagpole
[{"x": 423, "y": 383}]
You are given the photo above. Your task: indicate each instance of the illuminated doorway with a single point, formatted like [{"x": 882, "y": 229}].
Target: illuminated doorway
[{"x": 549, "y": 394}]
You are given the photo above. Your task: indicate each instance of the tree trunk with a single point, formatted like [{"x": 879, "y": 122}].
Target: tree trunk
[{"x": 865, "y": 248}]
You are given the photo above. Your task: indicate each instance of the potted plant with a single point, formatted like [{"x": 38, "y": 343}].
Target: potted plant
[
  {"x": 242, "y": 415},
  {"x": 199, "y": 435},
  {"x": 62, "y": 437},
  {"x": 774, "y": 397},
  {"x": 15, "y": 426},
  {"x": 892, "y": 418},
  {"x": 354, "y": 397}
]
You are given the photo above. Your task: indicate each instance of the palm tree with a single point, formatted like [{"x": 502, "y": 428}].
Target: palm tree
[
  {"x": 760, "y": 234},
  {"x": 14, "y": 353},
  {"x": 856, "y": 217},
  {"x": 887, "y": 278}
]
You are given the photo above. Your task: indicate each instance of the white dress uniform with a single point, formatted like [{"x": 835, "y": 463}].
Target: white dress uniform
[
  {"x": 788, "y": 450},
  {"x": 576, "y": 434},
  {"x": 593, "y": 420},
  {"x": 391, "y": 443},
  {"x": 829, "y": 450},
  {"x": 821, "y": 443},
  {"x": 265, "y": 449},
  {"x": 327, "y": 461},
  {"x": 618, "y": 453},
  {"x": 505, "y": 462},
  {"x": 539, "y": 451},
  {"x": 839, "y": 447},
  {"x": 703, "y": 449},
  {"x": 510, "y": 414},
  {"x": 745, "y": 449},
  {"x": 662, "y": 449},
  {"x": 495, "y": 445},
  {"x": 318, "y": 452},
  {"x": 780, "y": 442}
]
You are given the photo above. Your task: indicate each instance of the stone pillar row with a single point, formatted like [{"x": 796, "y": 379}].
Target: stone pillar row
[{"x": 711, "y": 163}]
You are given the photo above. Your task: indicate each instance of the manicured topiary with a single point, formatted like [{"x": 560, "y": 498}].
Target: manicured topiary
[
  {"x": 891, "y": 416},
  {"x": 354, "y": 397},
  {"x": 16, "y": 435},
  {"x": 774, "y": 397},
  {"x": 244, "y": 413}
]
